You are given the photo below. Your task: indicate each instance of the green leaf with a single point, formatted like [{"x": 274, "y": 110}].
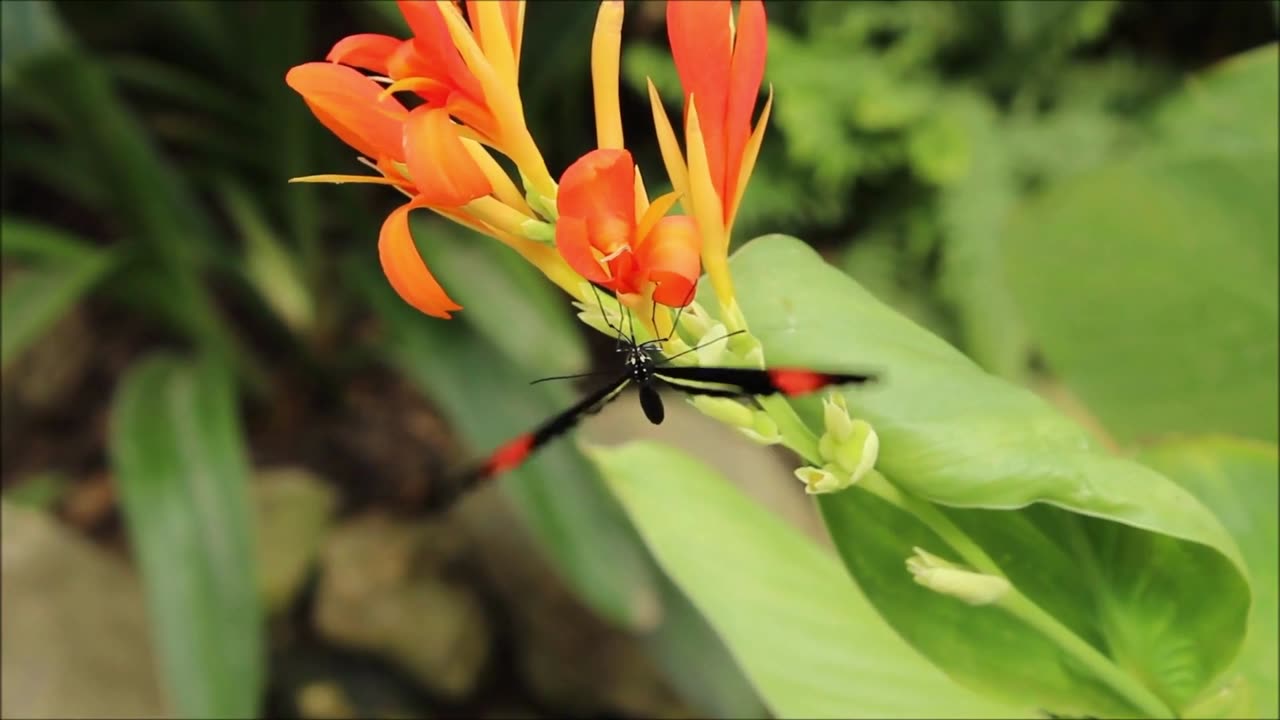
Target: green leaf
[
  {"x": 805, "y": 636},
  {"x": 181, "y": 469},
  {"x": 36, "y": 298},
  {"x": 488, "y": 399},
  {"x": 28, "y": 30},
  {"x": 697, "y": 663},
  {"x": 1230, "y": 107},
  {"x": 952, "y": 435},
  {"x": 1151, "y": 284},
  {"x": 1239, "y": 480}
]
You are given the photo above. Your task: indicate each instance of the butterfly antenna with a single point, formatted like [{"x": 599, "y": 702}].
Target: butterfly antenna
[
  {"x": 676, "y": 322},
  {"x": 568, "y": 377},
  {"x": 600, "y": 303},
  {"x": 701, "y": 345}
]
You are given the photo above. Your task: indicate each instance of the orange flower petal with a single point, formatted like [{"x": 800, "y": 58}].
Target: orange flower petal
[
  {"x": 348, "y": 104},
  {"x": 669, "y": 258},
  {"x": 700, "y": 36},
  {"x": 405, "y": 270},
  {"x": 369, "y": 51},
  {"x": 600, "y": 184},
  {"x": 749, "y": 49},
  {"x": 434, "y": 46},
  {"x": 443, "y": 171},
  {"x": 573, "y": 242}
]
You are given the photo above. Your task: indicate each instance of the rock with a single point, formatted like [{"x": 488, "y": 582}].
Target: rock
[
  {"x": 572, "y": 660},
  {"x": 382, "y": 591},
  {"x": 293, "y": 510},
  {"x": 75, "y": 631}
]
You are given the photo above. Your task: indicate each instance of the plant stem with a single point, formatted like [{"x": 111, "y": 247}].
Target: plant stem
[
  {"x": 795, "y": 434},
  {"x": 1017, "y": 604}
]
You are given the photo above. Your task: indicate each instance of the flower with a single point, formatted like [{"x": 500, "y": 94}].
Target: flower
[
  {"x": 599, "y": 236},
  {"x": 720, "y": 71},
  {"x": 467, "y": 79}
]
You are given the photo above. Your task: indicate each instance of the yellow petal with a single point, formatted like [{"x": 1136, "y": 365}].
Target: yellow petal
[
  {"x": 409, "y": 83},
  {"x": 642, "y": 197},
  {"x": 496, "y": 41},
  {"x": 667, "y": 142},
  {"x": 707, "y": 212},
  {"x": 606, "y": 48},
  {"x": 503, "y": 187},
  {"x": 503, "y": 101},
  {"x": 653, "y": 214},
  {"x": 375, "y": 180},
  {"x": 749, "y": 154}
]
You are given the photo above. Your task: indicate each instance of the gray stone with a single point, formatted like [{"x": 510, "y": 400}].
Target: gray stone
[
  {"x": 293, "y": 511},
  {"x": 74, "y": 626},
  {"x": 382, "y": 591}
]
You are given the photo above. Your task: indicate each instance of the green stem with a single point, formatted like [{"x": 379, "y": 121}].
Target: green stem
[
  {"x": 1017, "y": 604},
  {"x": 795, "y": 434}
]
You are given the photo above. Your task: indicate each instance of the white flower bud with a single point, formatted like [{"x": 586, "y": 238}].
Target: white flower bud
[
  {"x": 948, "y": 578},
  {"x": 818, "y": 481}
]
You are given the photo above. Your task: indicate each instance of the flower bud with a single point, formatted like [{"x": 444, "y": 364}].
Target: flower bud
[
  {"x": 712, "y": 353},
  {"x": 835, "y": 415},
  {"x": 725, "y": 410},
  {"x": 858, "y": 454},
  {"x": 827, "y": 479},
  {"x": 539, "y": 231},
  {"x": 948, "y": 578},
  {"x": 763, "y": 430},
  {"x": 695, "y": 321},
  {"x": 541, "y": 204}
]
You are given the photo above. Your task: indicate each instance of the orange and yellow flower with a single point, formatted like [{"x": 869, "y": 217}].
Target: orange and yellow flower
[
  {"x": 463, "y": 72},
  {"x": 435, "y": 154},
  {"x": 600, "y": 236},
  {"x": 721, "y": 69}
]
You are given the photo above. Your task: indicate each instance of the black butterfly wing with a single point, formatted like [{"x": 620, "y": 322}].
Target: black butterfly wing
[
  {"x": 735, "y": 382},
  {"x": 515, "y": 451}
]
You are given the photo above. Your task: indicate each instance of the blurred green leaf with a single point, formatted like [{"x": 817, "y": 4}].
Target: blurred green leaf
[
  {"x": 1231, "y": 106},
  {"x": 29, "y": 29},
  {"x": 268, "y": 265},
  {"x": 1151, "y": 284},
  {"x": 30, "y": 241},
  {"x": 955, "y": 436},
  {"x": 180, "y": 465},
  {"x": 142, "y": 187},
  {"x": 507, "y": 300},
  {"x": 697, "y": 663},
  {"x": 1240, "y": 481},
  {"x": 37, "y": 297},
  {"x": 488, "y": 399},
  {"x": 803, "y": 633}
]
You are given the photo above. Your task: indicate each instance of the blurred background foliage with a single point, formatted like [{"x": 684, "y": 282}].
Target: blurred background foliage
[{"x": 205, "y": 372}]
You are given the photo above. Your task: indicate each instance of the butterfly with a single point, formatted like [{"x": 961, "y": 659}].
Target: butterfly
[{"x": 649, "y": 370}]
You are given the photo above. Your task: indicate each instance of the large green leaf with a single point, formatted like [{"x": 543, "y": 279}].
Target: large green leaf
[
  {"x": 697, "y": 663},
  {"x": 181, "y": 469},
  {"x": 1240, "y": 481},
  {"x": 1151, "y": 283},
  {"x": 489, "y": 400},
  {"x": 805, "y": 636},
  {"x": 954, "y": 436},
  {"x": 35, "y": 298}
]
